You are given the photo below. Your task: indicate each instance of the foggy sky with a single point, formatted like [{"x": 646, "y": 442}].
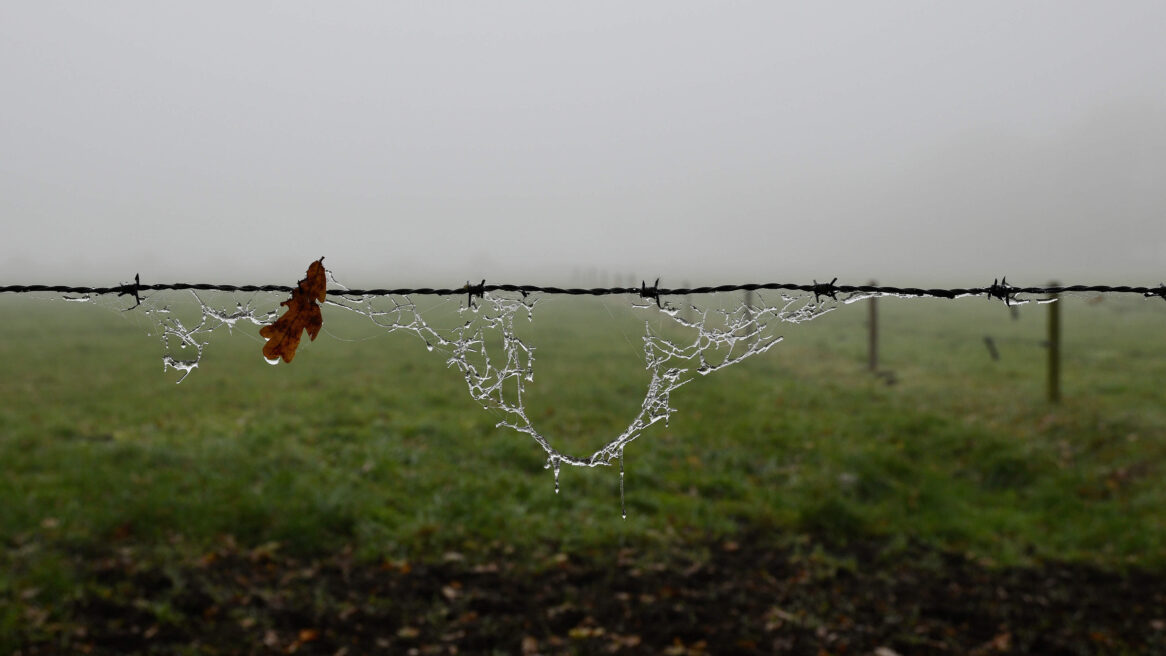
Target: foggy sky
[{"x": 520, "y": 141}]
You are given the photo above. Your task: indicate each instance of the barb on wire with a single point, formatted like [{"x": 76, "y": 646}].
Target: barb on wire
[
  {"x": 1000, "y": 289},
  {"x": 475, "y": 290},
  {"x": 825, "y": 289},
  {"x": 652, "y": 292},
  {"x": 133, "y": 290}
]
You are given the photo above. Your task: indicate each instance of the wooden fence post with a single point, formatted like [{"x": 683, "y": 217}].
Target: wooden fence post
[
  {"x": 873, "y": 337},
  {"x": 1055, "y": 346}
]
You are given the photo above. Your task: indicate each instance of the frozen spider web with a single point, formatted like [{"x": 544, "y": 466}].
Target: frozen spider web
[
  {"x": 679, "y": 344},
  {"x": 498, "y": 365}
]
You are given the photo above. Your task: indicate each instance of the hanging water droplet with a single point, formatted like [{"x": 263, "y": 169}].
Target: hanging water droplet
[
  {"x": 553, "y": 463},
  {"x": 271, "y": 361},
  {"x": 622, "y": 505},
  {"x": 428, "y": 347}
]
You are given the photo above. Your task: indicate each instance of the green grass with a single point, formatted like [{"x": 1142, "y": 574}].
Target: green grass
[{"x": 368, "y": 440}]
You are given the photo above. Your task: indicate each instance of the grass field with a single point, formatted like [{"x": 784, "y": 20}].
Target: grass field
[{"x": 368, "y": 445}]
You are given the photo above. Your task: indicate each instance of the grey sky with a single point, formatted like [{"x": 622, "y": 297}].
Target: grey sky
[{"x": 517, "y": 141}]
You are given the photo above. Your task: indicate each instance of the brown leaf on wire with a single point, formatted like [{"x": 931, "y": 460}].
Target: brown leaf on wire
[{"x": 302, "y": 314}]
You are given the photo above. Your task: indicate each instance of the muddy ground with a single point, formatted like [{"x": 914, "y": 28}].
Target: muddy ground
[{"x": 737, "y": 597}]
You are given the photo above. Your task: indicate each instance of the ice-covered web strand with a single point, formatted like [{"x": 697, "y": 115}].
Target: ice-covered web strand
[{"x": 177, "y": 337}]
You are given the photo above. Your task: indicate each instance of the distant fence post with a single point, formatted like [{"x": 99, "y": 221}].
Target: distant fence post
[
  {"x": 1055, "y": 346},
  {"x": 873, "y": 337}
]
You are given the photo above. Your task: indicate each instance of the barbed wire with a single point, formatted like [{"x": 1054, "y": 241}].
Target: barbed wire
[{"x": 999, "y": 289}]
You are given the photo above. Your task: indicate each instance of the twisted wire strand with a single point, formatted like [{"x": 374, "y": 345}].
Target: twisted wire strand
[{"x": 999, "y": 290}]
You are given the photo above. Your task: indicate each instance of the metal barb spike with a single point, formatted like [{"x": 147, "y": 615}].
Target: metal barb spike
[{"x": 825, "y": 289}]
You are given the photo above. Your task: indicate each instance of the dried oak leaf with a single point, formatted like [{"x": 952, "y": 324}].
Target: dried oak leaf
[{"x": 302, "y": 314}]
